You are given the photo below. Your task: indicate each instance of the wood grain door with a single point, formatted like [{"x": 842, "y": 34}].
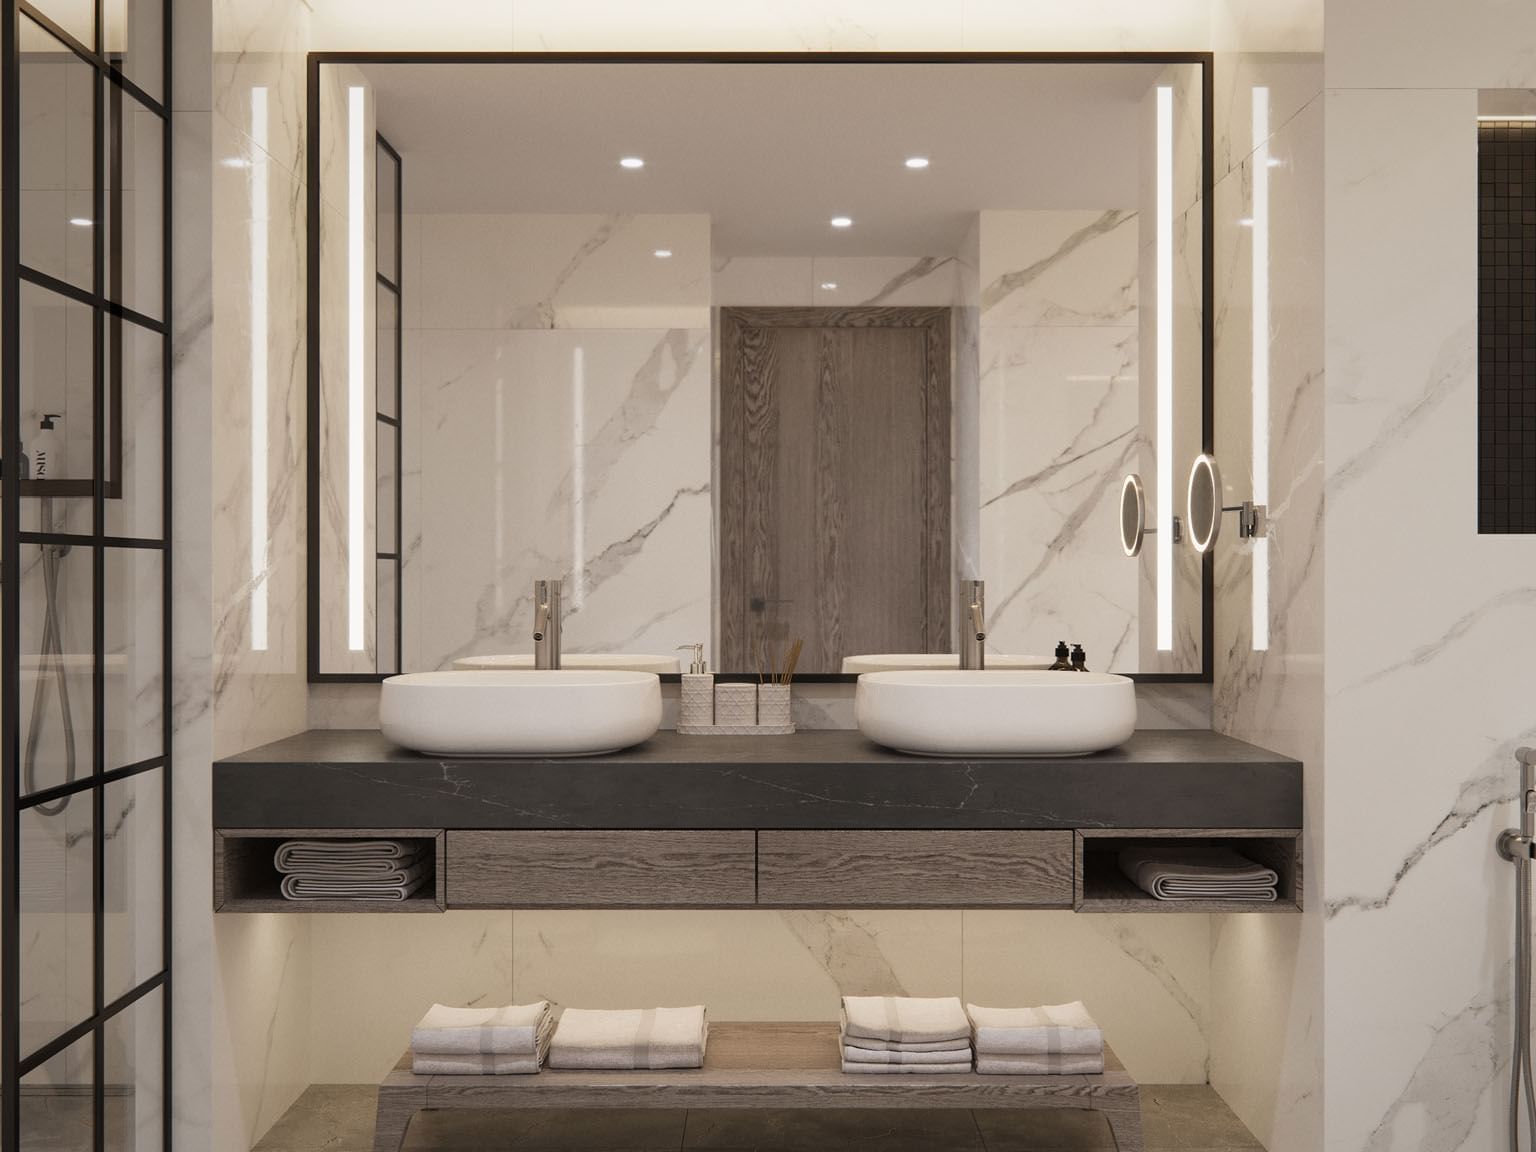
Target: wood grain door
[{"x": 835, "y": 482}]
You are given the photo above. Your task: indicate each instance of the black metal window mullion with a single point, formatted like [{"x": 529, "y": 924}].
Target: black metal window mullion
[{"x": 394, "y": 285}]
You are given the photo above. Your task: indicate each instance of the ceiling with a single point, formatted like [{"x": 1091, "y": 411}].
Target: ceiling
[{"x": 770, "y": 151}]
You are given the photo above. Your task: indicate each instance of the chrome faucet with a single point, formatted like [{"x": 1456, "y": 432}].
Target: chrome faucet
[
  {"x": 973, "y": 624},
  {"x": 546, "y": 623}
]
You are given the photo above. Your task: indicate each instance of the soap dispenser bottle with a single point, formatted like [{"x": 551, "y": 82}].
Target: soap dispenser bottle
[
  {"x": 1079, "y": 659},
  {"x": 1063, "y": 664},
  {"x": 697, "y": 709}
]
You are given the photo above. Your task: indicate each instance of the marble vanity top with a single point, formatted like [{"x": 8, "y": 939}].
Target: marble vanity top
[{"x": 813, "y": 779}]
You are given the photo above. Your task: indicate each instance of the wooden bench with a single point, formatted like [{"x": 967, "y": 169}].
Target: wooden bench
[{"x": 760, "y": 1066}]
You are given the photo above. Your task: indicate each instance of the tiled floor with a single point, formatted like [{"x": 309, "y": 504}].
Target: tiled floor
[{"x": 1176, "y": 1118}]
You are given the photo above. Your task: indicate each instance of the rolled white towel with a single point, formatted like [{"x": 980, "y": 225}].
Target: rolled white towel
[
  {"x": 855, "y": 1068},
  {"x": 1040, "y": 1065},
  {"x": 485, "y": 1064},
  {"x": 1054, "y": 1029},
  {"x": 906, "y": 1019},
  {"x": 1185, "y": 872},
  {"x": 853, "y": 1055},
  {"x": 630, "y": 1038},
  {"x": 513, "y": 1030},
  {"x": 962, "y": 1044}
]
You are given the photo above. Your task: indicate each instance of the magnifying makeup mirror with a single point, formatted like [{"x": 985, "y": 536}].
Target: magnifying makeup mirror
[
  {"x": 1204, "y": 506},
  {"x": 1133, "y": 516}
]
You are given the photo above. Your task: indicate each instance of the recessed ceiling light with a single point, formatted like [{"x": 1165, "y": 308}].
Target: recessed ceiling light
[
  {"x": 829, "y": 286},
  {"x": 631, "y": 162},
  {"x": 1275, "y": 162},
  {"x": 842, "y": 221},
  {"x": 1246, "y": 222},
  {"x": 663, "y": 253},
  {"x": 917, "y": 161},
  {"x": 80, "y": 221},
  {"x": 235, "y": 162}
]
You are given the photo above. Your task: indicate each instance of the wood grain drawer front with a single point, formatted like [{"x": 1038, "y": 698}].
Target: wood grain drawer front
[
  {"x": 915, "y": 869},
  {"x": 599, "y": 869}
]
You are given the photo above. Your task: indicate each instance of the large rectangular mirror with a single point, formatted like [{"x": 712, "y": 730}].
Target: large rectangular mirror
[{"x": 744, "y": 351}]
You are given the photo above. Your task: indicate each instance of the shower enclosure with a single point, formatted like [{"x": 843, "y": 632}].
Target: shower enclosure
[{"x": 85, "y": 614}]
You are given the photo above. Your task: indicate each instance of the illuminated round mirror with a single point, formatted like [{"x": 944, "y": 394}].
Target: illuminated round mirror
[
  {"x": 1204, "y": 503},
  {"x": 1133, "y": 514}
]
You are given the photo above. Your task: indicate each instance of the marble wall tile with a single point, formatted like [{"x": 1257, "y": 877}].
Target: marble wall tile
[
  {"x": 381, "y": 973},
  {"x": 1059, "y": 419},
  {"x": 759, "y": 25},
  {"x": 1428, "y": 747},
  {"x": 583, "y": 455},
  {"x": 746, "y": 965},
  {"x": 776, "y": 281},
  {"x": 1381, "y": 44},
  {"x": 1100, "y": 25},
  {"x": 1266, "y": 1043},
  {"x": 259, "y": 49},
  {"x": 1145, "y": 979},
  {"x": 893, "y": 281},
  {"x": 564, "y": 270}
]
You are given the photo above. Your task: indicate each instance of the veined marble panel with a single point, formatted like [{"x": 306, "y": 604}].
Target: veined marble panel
[
  {"x": 1428, "y": 744},
  {"x": 1058, "y": 268},
  {"x": 1098, "y": 26},
  {"x": 553, "y": 270},
  {"x": 259, "y": 623},
  {"x": 1267, "y": 977},
  {"x": 1058, "y": 431},
  {"x": 1288, "y": 81},
  {"x": 1477, "y": 44},
  {"x": 582, "y": 455},
  {"x": 258, "y": 59},
  {"x": 857, "y": 281},
  {"x": 766, "y": 281},
  {"x": 383, "y": 972}
]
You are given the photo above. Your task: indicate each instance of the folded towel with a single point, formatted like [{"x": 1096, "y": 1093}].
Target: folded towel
[
  {"x": 515, "y": 1030},
  {"x": 1053, "y": 1030},
  {"x": 905, "y": 1019},
  {"x": 1198, "y": 873},
  {"x": 1040, "y": 1065},
  {"x": 486, "y": 1064},
  {"x": 630, "y": 1038},
  {"x": 851, "y": 1066},
  {"x": 853, "y": 1055},
  {"x": 400, "y": 885},
  {"x": 352, "y": 857},
  {"x": 962, "y": 1044}
]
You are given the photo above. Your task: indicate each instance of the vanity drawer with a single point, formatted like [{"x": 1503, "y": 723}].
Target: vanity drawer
[
  {"x": 962, "y": 869},
  {"x": 557, "y": 869}
]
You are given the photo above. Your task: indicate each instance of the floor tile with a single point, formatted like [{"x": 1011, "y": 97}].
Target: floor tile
[
  {"x": 1192, "y": 1118},
  {"x": 1044, "y": 1130},
  {"x": 548, "y": 1130},
  {"x": 326, "y": 1118}
]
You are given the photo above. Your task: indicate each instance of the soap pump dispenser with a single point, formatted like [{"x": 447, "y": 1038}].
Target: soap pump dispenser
[
  {"x": 1063, "y": 663},
  {"x": 1079, "y": 659},
  {"x": 697, "y": 707}
]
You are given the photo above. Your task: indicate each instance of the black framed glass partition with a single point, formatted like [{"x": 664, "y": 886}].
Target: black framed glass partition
[
  {"x": 388, "y": 399},
  {"x": 85, "y": 610}
]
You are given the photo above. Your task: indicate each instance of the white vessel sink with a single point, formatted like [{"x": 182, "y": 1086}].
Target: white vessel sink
[
  {"x": 923, "y": 661},
  {"x": 606, "y": 661},
  {"x": 996, "y": 713},
  {"x": 520, "y": 713}
]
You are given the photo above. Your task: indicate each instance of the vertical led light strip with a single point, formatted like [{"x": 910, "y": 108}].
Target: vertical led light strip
[
  {"x": 578, "y": 476},
  {"x": 356, "y": 367},
  {"x": 1261, "y": 360},
  {"x": 1165, "y": 446},
  {"x": 259, "y": 225}
]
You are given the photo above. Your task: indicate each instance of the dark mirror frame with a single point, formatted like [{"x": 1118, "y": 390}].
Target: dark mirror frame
[{"x": 1207, "y": 335}]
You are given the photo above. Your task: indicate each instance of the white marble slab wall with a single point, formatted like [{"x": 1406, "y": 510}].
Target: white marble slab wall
[
  {"x": 1267, "y": 977},
  {"x": 835, "y": 281},
  {"x": 1059, "y": 422},
  {"x": 563, "y": 400},
  {"x": 1429, "y": 626}
]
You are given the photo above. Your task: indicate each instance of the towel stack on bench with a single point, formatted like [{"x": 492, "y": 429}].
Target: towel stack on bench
[
  {"x": 630, "y": 1038},
  {"x": 1055, "y": 1039},
  {"x": 905, "y": 1034},
  {"x": 481, "y": 1041}
]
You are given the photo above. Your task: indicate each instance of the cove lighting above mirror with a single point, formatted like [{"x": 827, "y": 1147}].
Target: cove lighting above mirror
[{"x": 772, "y": 389}]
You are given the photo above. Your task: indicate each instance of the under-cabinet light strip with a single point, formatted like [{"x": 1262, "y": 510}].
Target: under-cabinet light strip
[
  {"x": 1165, "y": 447},
  {"x": 356, "y": 366},
  {"x": 1261, "y": 335},
  {"x": 259, "y": 231}
]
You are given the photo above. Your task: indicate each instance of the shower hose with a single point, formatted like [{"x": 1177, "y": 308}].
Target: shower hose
[
  {"x": 1515, "y": 845},
  {"x": 51, "y": 671}
]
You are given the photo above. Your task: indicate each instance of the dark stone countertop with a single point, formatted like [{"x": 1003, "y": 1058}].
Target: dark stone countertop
[{"x": 813, "y": 779}]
